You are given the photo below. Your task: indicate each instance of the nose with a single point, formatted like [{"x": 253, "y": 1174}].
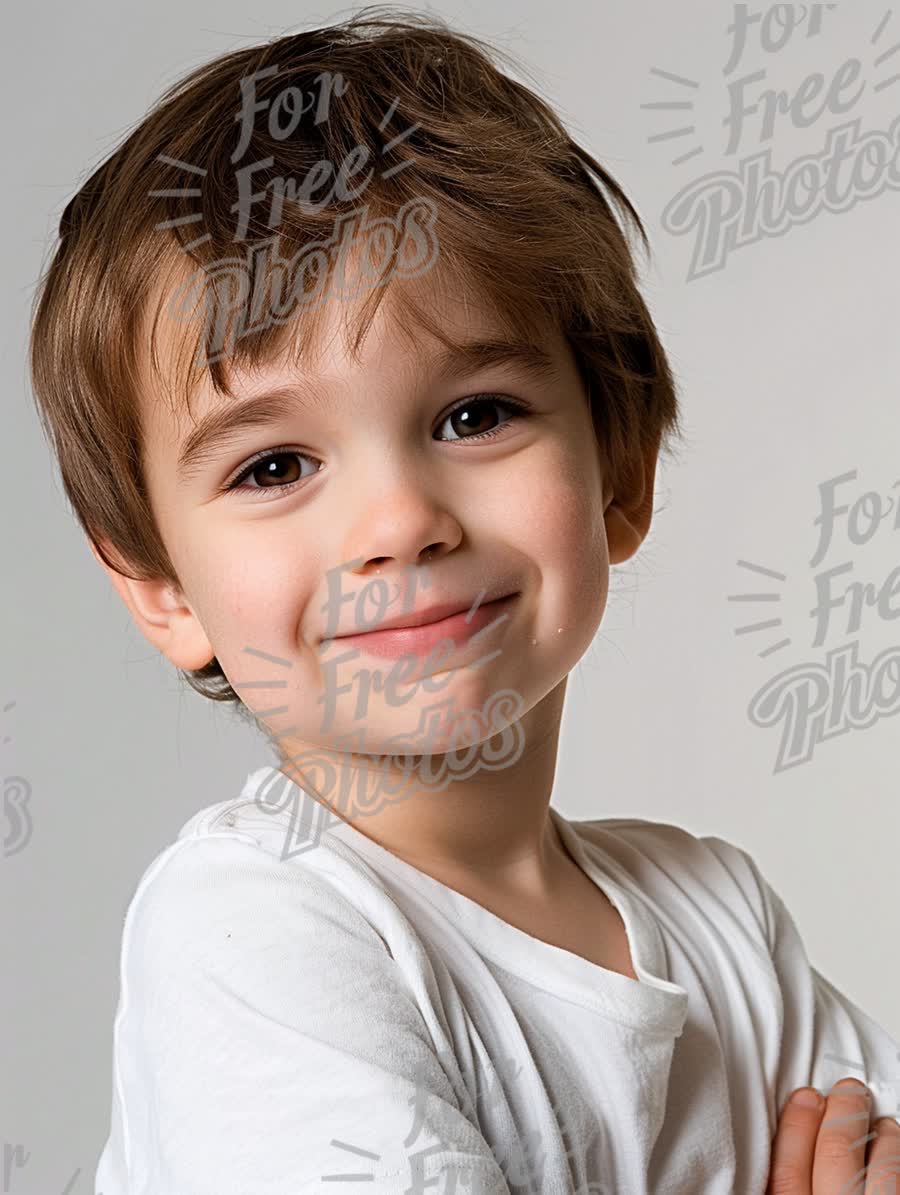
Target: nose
[{"x": 400, "y": 525}]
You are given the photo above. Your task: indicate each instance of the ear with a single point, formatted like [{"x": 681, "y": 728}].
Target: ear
[
  {"x": 627, "y": 514},
  {"x": 162, "y": 616}
]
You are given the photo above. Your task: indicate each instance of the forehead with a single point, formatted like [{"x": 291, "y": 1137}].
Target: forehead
[{"x": 435, "y": 320}]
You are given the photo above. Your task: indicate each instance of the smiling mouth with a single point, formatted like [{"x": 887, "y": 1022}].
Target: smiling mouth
[{"x": 421, "y": 639}]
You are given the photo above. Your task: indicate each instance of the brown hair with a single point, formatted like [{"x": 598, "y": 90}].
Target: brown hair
[{"x": 519, "y": 207}]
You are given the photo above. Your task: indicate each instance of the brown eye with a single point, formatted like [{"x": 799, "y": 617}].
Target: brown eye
[
  {"x": 273, "y": 471},
  {"x": 472, "y": 419}
]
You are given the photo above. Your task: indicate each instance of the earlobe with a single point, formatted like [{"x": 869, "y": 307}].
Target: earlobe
[
  {"x": 163, "y": 617},
  {"x": 628, "y": 515}
]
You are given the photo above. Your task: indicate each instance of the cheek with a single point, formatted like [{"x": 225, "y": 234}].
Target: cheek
[
  {"x": 252, "y": 585},
  {"x": 557, "y": 509},
  {"x": 574, "y": 560},
  {"x": 561, "y": 521}
]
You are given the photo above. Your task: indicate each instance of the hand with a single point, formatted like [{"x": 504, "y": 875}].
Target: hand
[{"x": 834, "y": 1154}]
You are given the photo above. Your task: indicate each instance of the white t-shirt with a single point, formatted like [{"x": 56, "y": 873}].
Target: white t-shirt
[{"x": 299, "y": 1007}]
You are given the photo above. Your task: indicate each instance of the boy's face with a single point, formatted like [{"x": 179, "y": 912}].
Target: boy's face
[{"x": 377, "y": 496}]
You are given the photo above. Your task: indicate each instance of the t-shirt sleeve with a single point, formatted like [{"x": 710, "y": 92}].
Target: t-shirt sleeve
[
  {"x": 270, "y": 1044},
  {"x": 824, "y": 1036}
]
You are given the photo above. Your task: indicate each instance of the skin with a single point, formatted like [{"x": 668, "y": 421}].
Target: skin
[
  {"x": 528, "y": 509},
  {"x": 830, "y": 1150}
]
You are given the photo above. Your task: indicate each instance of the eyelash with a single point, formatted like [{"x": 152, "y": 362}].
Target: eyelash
[{"x": 521, "y": 410}]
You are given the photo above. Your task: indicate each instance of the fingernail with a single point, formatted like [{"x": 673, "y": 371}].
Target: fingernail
[
  {"x": 857, "y": 1085},
  {"x": 807, "y": 1097}
]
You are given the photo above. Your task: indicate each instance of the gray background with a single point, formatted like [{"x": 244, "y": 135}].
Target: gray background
[{"x": 787, "y": 358}]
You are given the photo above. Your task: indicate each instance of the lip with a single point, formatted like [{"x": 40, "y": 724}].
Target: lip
[
  {"x": 418, "y": 618},
  {"x": 419, "y": 633}
]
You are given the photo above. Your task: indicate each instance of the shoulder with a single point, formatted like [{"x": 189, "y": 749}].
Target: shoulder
[
  {"x": 705, "y": 868},
  {"x": 208, "y": 898}
]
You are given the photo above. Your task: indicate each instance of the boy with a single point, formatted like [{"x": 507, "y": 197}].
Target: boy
[{"x": 409, "y": 969}]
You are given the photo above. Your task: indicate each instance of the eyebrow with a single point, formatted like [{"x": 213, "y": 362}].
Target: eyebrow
[{"x": 219, "y": 427}]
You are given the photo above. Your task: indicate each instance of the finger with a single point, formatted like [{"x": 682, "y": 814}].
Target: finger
[
  {"x": 883, "y": 1163},
  {"x": 795, "y": 1142},
  {"x": 843, "y": 1140}
]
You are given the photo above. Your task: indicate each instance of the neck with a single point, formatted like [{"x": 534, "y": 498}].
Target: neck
[{"x": 491, "y": 828}]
